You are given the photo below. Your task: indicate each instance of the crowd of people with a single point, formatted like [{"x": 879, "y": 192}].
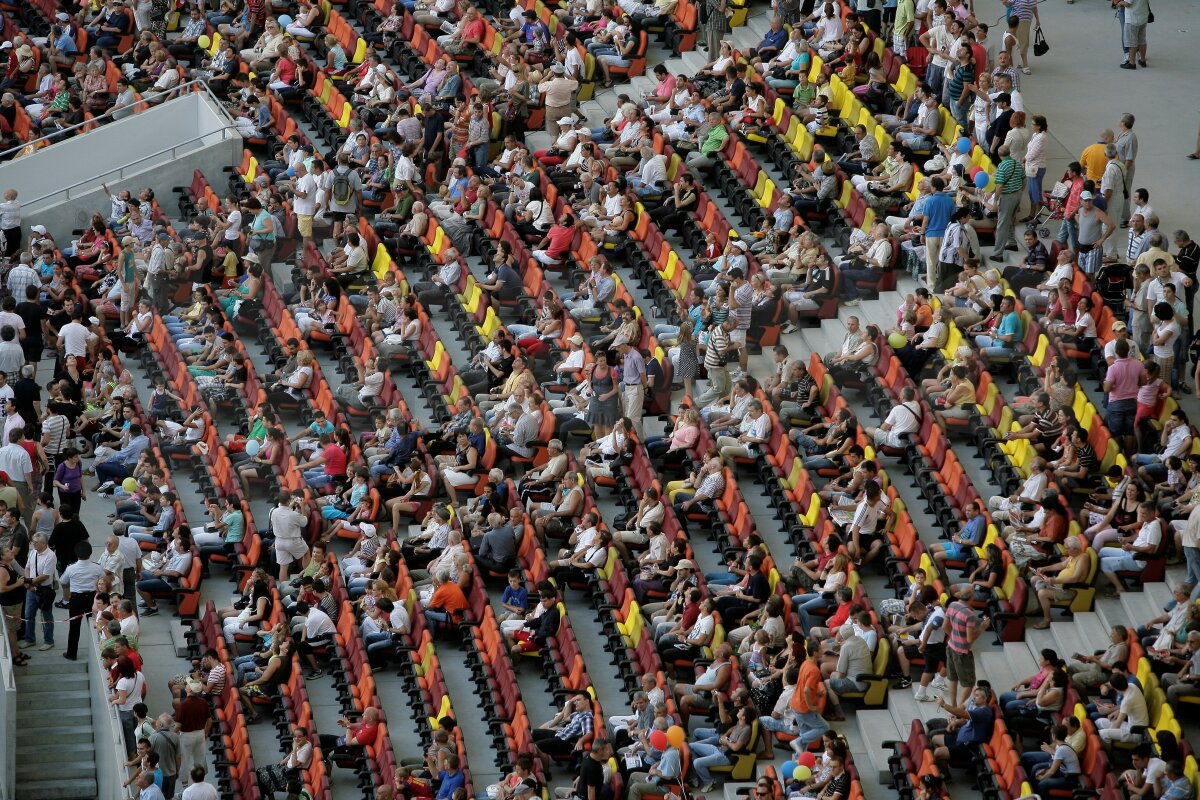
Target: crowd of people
[{"x": 554, "y": 402}]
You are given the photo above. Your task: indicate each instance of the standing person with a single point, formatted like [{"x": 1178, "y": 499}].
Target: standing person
[
  {"x": 558, "y": 95},
  {"x": 1010, "y": 180},
  {"x": 40, "y": 570},
  {"x": 194, "y": 718},
  {"x": 68, "y": 479},
  {"x": 1127, "y": 143},
  {"x": 165, "y": 742},
  {"x": 1093, "y": 228},
  {"x": 1137, "y": 16},
  {"x": 1026, "y": 13},
  {"x": 345, "y": 195},
  {"x": 79, "y": 592},
  {"x": 15, "y": 461},
  {"x": 963, "y": 627},
  {"x": 10, "y": 223},
  {"x": 715, "y": 18},
  {"x": 633, "y": 384},
  {"x": 288, "y": 521}
]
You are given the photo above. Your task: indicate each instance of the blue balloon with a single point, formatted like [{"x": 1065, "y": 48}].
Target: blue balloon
[
  {"x": 981, "y": 180},
  {"x": 964, "y": 145},
  {"x": 284, "y": 21},
  {"x": 787, "y": 769}
]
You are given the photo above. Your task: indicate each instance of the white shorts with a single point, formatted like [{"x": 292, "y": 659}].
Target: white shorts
[
  {"x": 287, "y": 551},
  {"x": 738, "y": 336}
]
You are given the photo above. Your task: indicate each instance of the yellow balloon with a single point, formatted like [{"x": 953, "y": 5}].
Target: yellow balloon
[
  {"x": 896, "y": 340},
  {"x": 676, "y": 736},
  {"x": 204, "y": 42},
  {"x": 802, "y": 773}
]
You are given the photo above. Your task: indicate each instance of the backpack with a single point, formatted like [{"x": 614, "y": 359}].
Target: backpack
[{"x": 342, "y": 192}]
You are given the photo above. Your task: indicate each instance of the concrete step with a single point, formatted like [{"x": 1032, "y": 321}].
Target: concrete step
[
  {"x": 52, "y": 666},
  {"x": 995, "y": 667},
  {"x": 53, "y": 699},
  {"x": 1071, "y": 638},
  {"x": 67, "y": 681},
  {"x": 57, "y": 789},
  {"x": 1159, "y": 594},
  {"x": 50, "y": 750},
  {"x": 74, "y": 734},
  {"x": 1139, "y": 607},
  {"x": 1020, "y": 660},
  {"x": 875, "y": 728},
  {"x": 904, "y": 708},
  {"x": 81, "y": 767},
  {"x": 1037, "y": 641},
  {"x": 1094, "y": 629},
  {"x": 81, "y": 716}
]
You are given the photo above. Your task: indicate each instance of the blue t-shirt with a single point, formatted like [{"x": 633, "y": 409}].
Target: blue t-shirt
[
  {"x": 450, "y": 782},
  {"x": 979, "y": 727},
  {"x": 515, "y": 597},
  {"x": 938, "y": 209},
  {"x": 1010, "y": 325},
  {"x": 975, "y": 530},
  {"x": 775, "y": 39}
]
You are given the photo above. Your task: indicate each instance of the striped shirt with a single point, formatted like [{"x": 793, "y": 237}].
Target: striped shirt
[
  {"x": 1009, "y": 176},
  {"x": 718, "y": 343},
  {"x": 744, "y": 296},
  {"x": 960, "y": 621},
  {"x": 712, "y": 485}
]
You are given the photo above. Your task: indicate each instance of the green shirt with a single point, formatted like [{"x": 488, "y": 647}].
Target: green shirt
[
  {"x": 1009, "y": 176},
  {"x": 802, "y": 96},
  {"x": 235, "y": 526},
  {"x": 906, "y": 14},
  {"x": 715, "y": 139}
]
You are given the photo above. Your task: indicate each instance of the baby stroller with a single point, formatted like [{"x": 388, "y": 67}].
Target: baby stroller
[
  {"x": 1052, "y": 208},
  {"x": 1112, "y": 282}
]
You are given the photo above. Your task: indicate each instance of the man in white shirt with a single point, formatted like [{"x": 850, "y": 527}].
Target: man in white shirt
[
  {"x": 304, "y": 202},
  {"x": 1121, "y": 558},
  {"x": 317, "y": 631},
  {"x": 1118, "y": 724},
  {"x": 162, "y": 582},
  {"x": 752, "y": 439},
  {"x": 652, "y": 175},
  {"x": 903, "y": 419},
  {"x": 15, "y": 461},
  {"x": 73, "y": 337},
  {"x": 198, "y": 789},
  {"x": 288, "y": 520},
  {"x": 40, "y": 570},
  {"x": 79, "y": 592}
]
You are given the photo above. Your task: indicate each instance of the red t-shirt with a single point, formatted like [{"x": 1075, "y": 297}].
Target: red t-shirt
[
  {"x": 335, "y": 460},
  {"x": 560, "y": 241},
  {"x": 363, "y": 733},
  {"x": 473, "y": 30}
]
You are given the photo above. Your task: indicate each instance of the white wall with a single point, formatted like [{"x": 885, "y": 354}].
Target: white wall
[
  {"x": 60, "y": 186},
  {"x": 8, "y": 723}
]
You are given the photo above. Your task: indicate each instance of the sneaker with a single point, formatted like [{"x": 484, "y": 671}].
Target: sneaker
[
  {"x": 998, "y": 258},
  {"x": 25, "y": 643},
  {"x": 46, "y": 646},
  {"x": 939, "y": 682},
  {"x": 708, "y": 787},
  {"x": 903, "y": 683},
  {"x": 922, "y": 696},
  {"x": 105, "y": 487},
  {"x": 787, "y": 327},
  {"x": 149, "y": 611},
  {"x": 312, "y": 676},
  {"x": 855, "y": 302},
  {"x": 1127, "y": 65}
]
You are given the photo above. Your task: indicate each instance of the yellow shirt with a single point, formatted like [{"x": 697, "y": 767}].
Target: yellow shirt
[{"x": 1093, "y": 162}]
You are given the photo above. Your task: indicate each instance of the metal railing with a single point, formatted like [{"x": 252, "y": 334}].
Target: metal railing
[
  {"x": 107, "y": 735},
  {"x": 8, "y": 722},
  {"x": 138, "y": 107}
]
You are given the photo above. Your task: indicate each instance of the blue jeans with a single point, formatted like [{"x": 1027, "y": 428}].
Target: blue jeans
[
  {"x": 812, "y": 725},
  {"x": 805, "y": 603},
  {"x": 850, "y": 275},
  {"x": 316, "y": 477},
  {"x": 721, "y": 578},
  {"x": 1068, "y": 234},
  {"x": 153, "y": 585},
  {"x": 31, "y": 610},
  {"x": 1034, "y": 759},
  {"x": 111, "y": 471},
  {"x": 1191, "y": 555},
  {"x": 379, "y": 644},
  {"x": 1035, "y": 186},
  {"x": 706, "y": 735},
  {"x": 704, "y": 756},
  {"x": 993, "y": 348}
]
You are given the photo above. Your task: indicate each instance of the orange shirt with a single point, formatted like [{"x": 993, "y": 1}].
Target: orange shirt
[
  {"x": 450, "y": 598},
  {"x": 810, "y": 678}
]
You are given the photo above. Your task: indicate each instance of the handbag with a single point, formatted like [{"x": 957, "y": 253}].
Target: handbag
[{"x": 1040, "y": 45}]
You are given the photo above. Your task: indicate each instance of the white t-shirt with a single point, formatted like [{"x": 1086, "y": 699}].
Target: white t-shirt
[
  {"x": 318, "y": 625},
  {"x": 235, "y": 226},
  {"x": 74, "y": 337},
  {"x": 1148, "y": 534},
  {"x": 306, "y": 206},
  {"x": 1170, "y": 329},
  {"x": 200, "y": 791},
  {"x": 133, "y": 691},
  {"x": 903, "y": 419}
]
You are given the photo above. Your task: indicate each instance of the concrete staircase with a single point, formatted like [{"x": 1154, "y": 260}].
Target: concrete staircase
[{"x": 55, "y": 749}]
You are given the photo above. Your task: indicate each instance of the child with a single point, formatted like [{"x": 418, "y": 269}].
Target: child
[
  {"x": 515, "y": 598},
  {"x": 1149, "y": 398},
  {"x": 758, "y": 651}
]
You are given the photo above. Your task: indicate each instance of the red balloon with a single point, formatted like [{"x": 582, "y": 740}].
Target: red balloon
[
  {"x": 975, "y": 171},
  {"x": 807, "y": 759},
  {"x": 658, "y": 740}
]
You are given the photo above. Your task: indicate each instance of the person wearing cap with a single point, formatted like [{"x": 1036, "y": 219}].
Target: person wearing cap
[
  {"x": 558, "y": 95},
  {"x": 538, "y": 484},
  {"x": 362, "y": 555},
  {"x": 58, "y": 48}
]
